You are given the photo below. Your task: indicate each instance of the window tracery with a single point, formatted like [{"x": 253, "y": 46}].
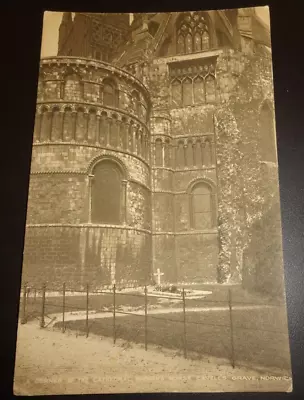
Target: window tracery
[
  {"x": 192, "y": 33},
  {"x": 192, "y": 83}
]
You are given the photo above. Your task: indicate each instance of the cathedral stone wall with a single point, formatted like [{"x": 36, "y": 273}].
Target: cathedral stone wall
[
  {"x": 76, "y": 132},
  {"x": 175, "y": 139},
  {"x": 85, "y": 254}
]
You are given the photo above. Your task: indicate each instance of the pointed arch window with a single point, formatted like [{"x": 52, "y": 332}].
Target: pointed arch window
[
  {"x": 107, "y": 193},
  {"x": 192, "y": 33},
  {"x": 202, "y": 206}
]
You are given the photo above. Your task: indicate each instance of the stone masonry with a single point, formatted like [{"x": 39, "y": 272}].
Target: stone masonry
[{"x": 154, "y": 147}]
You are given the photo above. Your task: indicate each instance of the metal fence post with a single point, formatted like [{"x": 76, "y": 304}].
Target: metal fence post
[
  {"x": 63, "y": 308},
  {"x": 87, "y": 312},
  {"x": 185, "y": 330},
  {"x": 146, "y": 318},
  {"x": 23, "y": 318},
  {"x": 42, "y": 322},
  {"x": 231, "y": 328},
  {"x": 114, "y": 313}
]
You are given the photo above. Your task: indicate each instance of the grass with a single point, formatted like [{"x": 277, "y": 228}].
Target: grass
[
  {"x": 260, "y": 336},
  {"x": 102, "y": 302}
]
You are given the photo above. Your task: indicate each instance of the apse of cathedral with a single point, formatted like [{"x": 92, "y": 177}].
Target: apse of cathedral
[{"x": 154, "y": 148}]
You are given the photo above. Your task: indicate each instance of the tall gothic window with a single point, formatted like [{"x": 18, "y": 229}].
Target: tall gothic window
[
  {"x": 192, "y": 33},
  {"x": 201, "y": 206},
  {"x": 267, "y": 134},
  {"x": 109, "y": 93},
  {"x": 107, "y": 193}
]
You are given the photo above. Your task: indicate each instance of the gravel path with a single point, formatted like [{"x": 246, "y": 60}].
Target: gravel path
[{"x": 49, "y": 362}]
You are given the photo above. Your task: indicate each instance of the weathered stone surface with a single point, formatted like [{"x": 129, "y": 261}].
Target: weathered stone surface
[{"x": 168, "y": 122}]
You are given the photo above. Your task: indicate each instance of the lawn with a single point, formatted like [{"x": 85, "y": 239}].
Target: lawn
[
  {"x": 99, "y": 302},
  {"x": 260, "y": 336}
]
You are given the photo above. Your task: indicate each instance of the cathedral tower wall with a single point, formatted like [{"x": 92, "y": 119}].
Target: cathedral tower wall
[{"x": 89, "y": 217}]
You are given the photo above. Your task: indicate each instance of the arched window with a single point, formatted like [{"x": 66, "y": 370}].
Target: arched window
[
  {"x": 107, "y": 195},
  {"x": 109, "y": 93},
  {"x": 192, "y": 33},
  {"x": 201, "y": 206},
  {"x": 267, "y": 134}
]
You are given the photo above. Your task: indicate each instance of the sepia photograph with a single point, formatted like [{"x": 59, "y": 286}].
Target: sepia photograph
[{"x": 153, "y": 258}]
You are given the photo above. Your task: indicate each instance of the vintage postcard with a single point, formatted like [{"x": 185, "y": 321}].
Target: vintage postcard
[{"x": 153, "y": 247}]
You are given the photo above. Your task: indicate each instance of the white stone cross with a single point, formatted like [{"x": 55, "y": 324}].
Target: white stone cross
[{"x": 158, "y": 274}]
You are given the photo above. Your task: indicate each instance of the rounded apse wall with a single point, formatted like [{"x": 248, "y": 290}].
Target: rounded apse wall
[{"x": 89, "y": 208}]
